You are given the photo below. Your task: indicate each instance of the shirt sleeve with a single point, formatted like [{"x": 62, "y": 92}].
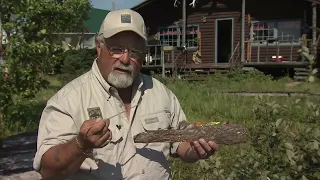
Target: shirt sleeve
[
  {"x": 179, "y": 121},
  {"x": 56, "y": 127}
]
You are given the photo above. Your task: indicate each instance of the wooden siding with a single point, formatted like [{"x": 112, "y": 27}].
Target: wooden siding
[
  {"x": 207, "y": 30},
  {"x": 155, "y": 17}
]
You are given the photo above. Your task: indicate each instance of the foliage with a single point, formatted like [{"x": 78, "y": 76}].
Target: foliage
[
  {"x": 266, "y": 155},
  {"x": 284, "y": 148},
  {"x": 305, "y": 53},
  {"x": 75, "y": 62},
  {"x": 30, "y": 26},
  {"x": 272, "y": 121},
  {"x": 279, "y": 146}
]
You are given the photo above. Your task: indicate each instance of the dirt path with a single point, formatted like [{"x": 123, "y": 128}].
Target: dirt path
[{"x": 30, "y": 175}]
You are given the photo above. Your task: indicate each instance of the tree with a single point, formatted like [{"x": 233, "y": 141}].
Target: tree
[{"x": 30, "y": 26}]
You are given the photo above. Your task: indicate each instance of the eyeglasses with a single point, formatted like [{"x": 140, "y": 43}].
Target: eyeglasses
[{"x": 117, "y": 52}]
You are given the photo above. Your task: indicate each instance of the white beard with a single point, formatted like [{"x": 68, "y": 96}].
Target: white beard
[{"x": 121, "y": 80}]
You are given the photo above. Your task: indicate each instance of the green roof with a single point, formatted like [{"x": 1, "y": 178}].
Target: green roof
[{"x": 95, "y": 18}]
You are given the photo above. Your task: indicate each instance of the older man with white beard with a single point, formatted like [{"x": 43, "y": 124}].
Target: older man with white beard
[{"x": 77, "y": 137}]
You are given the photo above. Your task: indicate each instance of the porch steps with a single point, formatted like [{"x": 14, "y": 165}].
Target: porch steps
[{"x": 301, "y": 74}]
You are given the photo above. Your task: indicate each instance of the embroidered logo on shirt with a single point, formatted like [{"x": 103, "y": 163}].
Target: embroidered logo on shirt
[
  {"x": 151, "y": 120},
  {"x": 94, "y": 113},
  {"x": 125, "y": 18}
]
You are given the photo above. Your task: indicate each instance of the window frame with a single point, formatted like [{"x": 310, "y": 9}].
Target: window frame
[
  {"x": 295, "y": 42},
  {"x": 178, "y": 41}
]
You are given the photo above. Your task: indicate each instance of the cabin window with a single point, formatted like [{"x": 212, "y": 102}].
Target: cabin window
[
  {"x": 285, "y": 31},
  {"x": 172, "y": 36}
]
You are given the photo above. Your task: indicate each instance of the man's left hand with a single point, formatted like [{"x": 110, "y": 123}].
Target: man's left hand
[{"x": 204, "y": 149}]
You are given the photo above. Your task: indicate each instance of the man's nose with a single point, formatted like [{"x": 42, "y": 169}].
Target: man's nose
[{"x": 125, "y": 59}]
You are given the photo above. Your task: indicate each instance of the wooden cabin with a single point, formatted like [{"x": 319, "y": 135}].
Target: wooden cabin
[{"x": 273, "y": 32}]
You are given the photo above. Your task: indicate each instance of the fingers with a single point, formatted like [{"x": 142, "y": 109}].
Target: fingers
[
  {"x": 104, "y": 140},
  {"x": 94, "y": 133},
  {"x": 103, "y": 131},
  {"x": 205, "y": 145},
  {"x": 200, "y": 150},
  {"x": 97, "y": 128},
  {"x": 107, "y": 122},
  {"x": 213, "y": 145},
  {"x": 205, "y": 149}
]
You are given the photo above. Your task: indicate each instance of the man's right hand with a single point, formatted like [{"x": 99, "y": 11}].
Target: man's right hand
[
  {"x": 94, "y": 133},
  {"x": 62, "y": 160}
]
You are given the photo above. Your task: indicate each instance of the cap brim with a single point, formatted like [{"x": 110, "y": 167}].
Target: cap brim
[{"x": 114, "y": 31}]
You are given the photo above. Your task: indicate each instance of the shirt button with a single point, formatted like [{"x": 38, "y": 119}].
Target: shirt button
[{"x": 142, "y": 172}]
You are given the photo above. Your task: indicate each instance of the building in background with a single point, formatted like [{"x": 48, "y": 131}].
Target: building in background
[
  {"x": 84, "y": 38},
  {"x": 272, "y": 33}
]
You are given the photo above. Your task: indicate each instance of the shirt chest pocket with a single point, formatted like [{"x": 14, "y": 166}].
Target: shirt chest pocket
[{"x": 156, "y": 121}]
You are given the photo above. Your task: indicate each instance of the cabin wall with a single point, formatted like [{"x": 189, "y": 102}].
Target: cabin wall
[
  {"x": 156, "y": 17},
  {"x": 211, "y": 12}
]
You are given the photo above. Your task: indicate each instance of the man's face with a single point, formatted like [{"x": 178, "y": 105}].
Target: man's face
[{"x": 120, "y": 60}]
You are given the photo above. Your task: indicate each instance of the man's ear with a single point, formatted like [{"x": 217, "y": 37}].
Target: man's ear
[{"x": 98, "y": 48}]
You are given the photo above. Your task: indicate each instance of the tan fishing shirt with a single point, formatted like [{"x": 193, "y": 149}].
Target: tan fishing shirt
[{"x": 90, "y": 96}]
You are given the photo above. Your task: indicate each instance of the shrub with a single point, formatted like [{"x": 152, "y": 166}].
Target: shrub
[
  {"x": 280, "y": 147},
  {"x": 74, "y": 63}
]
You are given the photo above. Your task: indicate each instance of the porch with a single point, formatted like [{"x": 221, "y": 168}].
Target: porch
[{"x": 259, "y": 54}]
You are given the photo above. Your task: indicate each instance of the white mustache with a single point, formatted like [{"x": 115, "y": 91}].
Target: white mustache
[{"x": 121, "y": 66}]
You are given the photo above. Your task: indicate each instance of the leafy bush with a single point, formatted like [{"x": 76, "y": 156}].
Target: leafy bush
[
  {"x": 30, "y": 50},
  {"x": 282, "y": 145},
  {"x": 74, "y": 63}
]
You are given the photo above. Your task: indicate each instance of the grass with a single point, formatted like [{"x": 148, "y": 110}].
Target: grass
[{"x": 200, "y": 103}]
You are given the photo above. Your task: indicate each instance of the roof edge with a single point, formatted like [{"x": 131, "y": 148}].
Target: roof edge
[{"x": 142, "y": 4}]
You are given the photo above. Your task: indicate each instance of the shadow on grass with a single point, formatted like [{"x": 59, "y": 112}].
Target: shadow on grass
[
  {"x": 19, "y": 139},
  {"x": 17, "y": 153},
  {"x": 18, "y": 135}
]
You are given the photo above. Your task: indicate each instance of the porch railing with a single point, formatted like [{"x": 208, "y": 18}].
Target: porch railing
[
  {"x": 270, "y": 50},
  {"x": 235, "y": 55},
  {"x": 154, "y": 56},
  {"x": 166, "y": 57}
]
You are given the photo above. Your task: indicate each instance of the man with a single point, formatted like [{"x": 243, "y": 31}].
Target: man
[{"x": 77, "y": 139}]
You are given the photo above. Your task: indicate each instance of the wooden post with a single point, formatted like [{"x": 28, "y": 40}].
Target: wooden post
[
  {"x": 243, "y": 30},
  {"x": 314, "y": 28},
  {"x": 278, "y": 50},
  {"x": 162, "y": 62},
  {"x": 249, "y": 42},
  {"x": 184, "y": 19},
  {"x": 1, "y": 33},
  {"x": 291, "y": 50},
  {"x": 199, "y": 42},
  {"x": 258, "y": 51},
  {"x": 113, "y": 5}
]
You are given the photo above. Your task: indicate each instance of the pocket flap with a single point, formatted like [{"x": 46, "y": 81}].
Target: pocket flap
[{"x": 155, "y": 121}]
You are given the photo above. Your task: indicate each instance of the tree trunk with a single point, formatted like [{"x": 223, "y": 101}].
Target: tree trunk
[{"x": 1, "y": 32}]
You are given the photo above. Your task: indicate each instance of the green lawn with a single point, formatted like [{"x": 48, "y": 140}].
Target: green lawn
[{"x": 201, "y": 103}]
